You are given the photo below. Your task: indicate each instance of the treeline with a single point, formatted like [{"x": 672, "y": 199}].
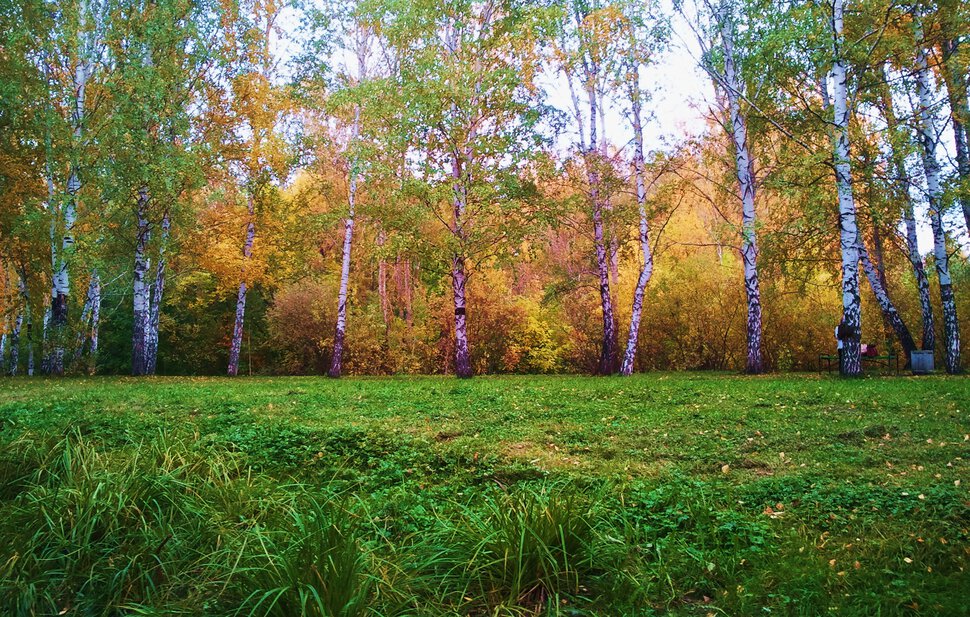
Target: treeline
[{"x": 398, "y": 186}]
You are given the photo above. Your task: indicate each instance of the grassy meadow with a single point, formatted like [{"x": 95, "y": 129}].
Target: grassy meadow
[{"x": 660, "y": 494}]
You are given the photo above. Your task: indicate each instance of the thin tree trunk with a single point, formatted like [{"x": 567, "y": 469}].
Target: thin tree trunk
[
  {"x": 744, "y": 170},
  {"x": 83, "y": 331},
  {"x": 15, "y": 344},
  {"x": 956, "y": 89},
  {"x": 341, "y": 328},
  {"x": 850, "y": 363},
  {"x": 889, "y": 311},
  {"x": 45, "y": 356},
  {"x": 902, "y": 183},
  {"x": 237, "y": 329},
  {"x": 459, "y": 278},
  {"x": 951, "y": 331},
  {"x": 3, "y": 345},
  {"x": 151, "y": 351},
  {"x": 646, "y": 270},
  {"x": 140, "y": 292},
  {"x": 95, "y": 323},
  {"x": 382, "y": 284}
]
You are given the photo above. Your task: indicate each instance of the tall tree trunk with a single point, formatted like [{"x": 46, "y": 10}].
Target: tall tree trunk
[
  {"x": 459, "y": 278},
  {"x": 45, "y": 356},
  {"x": 341, "y": 329},
  {"x": 744, "y": 170},
  {"x": 902, "y": 184},
  {"x": 889, "y": 312},
  {"x": 850, "y": 363},
  {"x": 140, "y": 292},
  {"x": 15, "y": 344},
  {"x": 3, "y": 345},
  {"x": 956, "y": 88},
  {"x": 382, "y": 284},
  {"x": 151, "y": 351},
  {"x": 237, "y": 330},
  {"x": 646, "y": 270},
  {"x": 951, "y": 330},
  {"x": 95, "y": 322},
  {"x": 592, "y": 159}
]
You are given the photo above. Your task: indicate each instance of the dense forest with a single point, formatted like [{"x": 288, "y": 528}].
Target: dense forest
[{"x": 471, "y": 187}]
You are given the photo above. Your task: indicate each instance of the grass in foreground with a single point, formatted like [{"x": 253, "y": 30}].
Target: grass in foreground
[{"x": 688, "y": 494}]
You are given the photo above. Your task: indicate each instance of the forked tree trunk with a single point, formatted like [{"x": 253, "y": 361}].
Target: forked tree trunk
[
  {"x": 903, "y": 181},
  {"x": 951, "y": 330},
  {"x": 141, "y": 296},
  {"x": 646, "y": 270},
  {"x": 744, "y": 169},
  {"x": 851, "y": 359},
  {"x": 151, "y": 350},
  {"x": 341, "y": 329},
  {"x": 235, "y": 345},
  {"x": 83, "y": 330}
]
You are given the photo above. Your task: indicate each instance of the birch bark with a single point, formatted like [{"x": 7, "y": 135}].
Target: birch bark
[
  {"x": 140, "y": 293},
  {"x": 928, "y": 139},
  {"x": 889, "y": 312},
  {"x": 956, "y": 89},
  {"x": 151, "y": 343},
  {"x": 237, "y": 330},
  {"x": 744, "y": 170},
  {"x": 646, "y": 270},
  {"x": 850, "y": 363},
  {"x": 902, "y": 184}
]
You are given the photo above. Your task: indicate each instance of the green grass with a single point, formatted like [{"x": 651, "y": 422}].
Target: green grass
[{"x": 664, "y": 494}]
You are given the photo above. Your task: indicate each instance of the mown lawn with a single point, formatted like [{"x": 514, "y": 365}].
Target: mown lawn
[{"x": 661, "y": 494}]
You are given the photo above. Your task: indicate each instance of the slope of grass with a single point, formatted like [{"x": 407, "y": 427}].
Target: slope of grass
[{"x": 686, "y": 494}]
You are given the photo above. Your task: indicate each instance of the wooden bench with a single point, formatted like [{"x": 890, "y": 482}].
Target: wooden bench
[{"x": 890, "y": 361}]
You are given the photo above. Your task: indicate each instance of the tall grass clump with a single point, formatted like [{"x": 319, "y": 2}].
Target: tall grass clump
[
  {"x": 520, "y": 552},
  {"x": 316, "y": 567}
]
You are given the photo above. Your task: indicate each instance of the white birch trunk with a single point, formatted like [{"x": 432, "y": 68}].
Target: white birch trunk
[
  {"x": 459, "y": 278},
  {"x": 95, "y": 322},
  {"x": 237, "y": 330},
  {"x": 140, "y": 291},
  {"x": 15, "y": 344},
  {"x": 341, "y": 328},
  {"x": 956, "y": 89},
  {"x": 3, "y": 346},
  {"x": 151, "y": 351},
  {"x": 889, "y": 312},
  {"x": 744, "y": 169},
  {"x": 850, "y": 363},
  {"x": 83, "y": 330},
  {"x": 646, "y": 270},
  {"x": 902, "y": 184},
  {"x": 951, "y": 330}
]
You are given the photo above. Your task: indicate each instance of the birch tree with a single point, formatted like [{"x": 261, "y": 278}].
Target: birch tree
[
  {"x": 934, "y": 194},
  {"x": 362, "y": 42}
]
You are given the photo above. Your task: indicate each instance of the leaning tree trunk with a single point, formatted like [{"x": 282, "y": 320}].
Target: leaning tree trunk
[
  {"x": 851, "y": 359},
  {"x": 646, "y": 271},
  {"x": 956, "y": 89},
  {"x": 951, "y": 330},
  {"x": 140, "y": 292},
  {"x": 151, "y": 343},
  {"x": 744, "y": 167},
  {"x": 889, "y": 312},
  {"x": 902, "y": 183},
  {"x": 341, "y": 328},
  {"x": 237, "y": 330}
]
